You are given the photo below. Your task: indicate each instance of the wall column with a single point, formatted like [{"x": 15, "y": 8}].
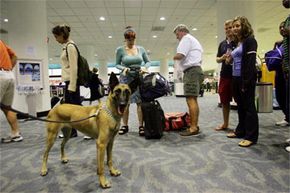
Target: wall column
[
  {"x": 103, "y": 71},
  {"x": 27, "y": 36},
  {"x": 164, "y": 69}
]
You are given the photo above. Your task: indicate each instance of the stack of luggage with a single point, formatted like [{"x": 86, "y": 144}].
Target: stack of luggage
[{"x": 153, "y": 86}]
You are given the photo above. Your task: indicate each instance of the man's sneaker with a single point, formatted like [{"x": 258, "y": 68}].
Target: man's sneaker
[
  {"x": 87, "y": 137},
  {"x": 10, "y": 139},
  {"x": 60, "y": 136},
  {"x": 282, "y": 123},
  {"x": 288, "y": 141},
  {"x": 287, "y": 148}
]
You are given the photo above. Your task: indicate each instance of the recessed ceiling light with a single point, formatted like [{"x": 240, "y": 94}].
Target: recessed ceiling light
[
  {"x": 194, "y": 29},
  {"x": 215, "y": 36},
  {"x": 96, "y": 55},
  {"x": 102, "y": 18},
  {"x": 154, "y": 36},
  {"x": 110, "y": 37},
  {"x": 50, "y": 59},
  {"x": 5, "y": 20},
  {"x": 162, "y": 18}
]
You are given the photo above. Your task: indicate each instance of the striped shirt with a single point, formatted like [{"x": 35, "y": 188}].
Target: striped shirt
[{"x": 285, "y": 44}]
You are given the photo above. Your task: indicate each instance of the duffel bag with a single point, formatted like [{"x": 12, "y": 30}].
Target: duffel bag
[
  {"x": 154, "y": 85},
  {"x": 176, "y": 121}
]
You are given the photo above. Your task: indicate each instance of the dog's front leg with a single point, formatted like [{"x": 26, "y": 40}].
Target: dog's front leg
[
  {"x": 101, "y": 147},
  {"x": 113, "y": 170}
]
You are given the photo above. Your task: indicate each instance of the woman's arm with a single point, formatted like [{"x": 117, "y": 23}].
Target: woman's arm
[
  {"x": 145, "y": 58},
  {"x": 248, "y": 69},
  {"x": 119, "y": 55},
  {"x": 73, "y": 66}
]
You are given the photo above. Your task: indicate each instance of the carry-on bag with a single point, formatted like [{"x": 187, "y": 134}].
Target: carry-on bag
[
  {"x": 154, "y": 85},
  {"x": 176, "y": 121},
  {"x": 154, "y": 119}
]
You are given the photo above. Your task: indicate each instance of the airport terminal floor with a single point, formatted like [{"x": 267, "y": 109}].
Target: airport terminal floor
[{"x": 210, "y": 162}]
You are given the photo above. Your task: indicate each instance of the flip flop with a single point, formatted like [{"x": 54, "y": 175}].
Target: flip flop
[
  {"x": 232, "y": 135},
  {"x": 246, "y": 143},
  {"x": 189, "y": 133},
  {"x": 220, "y": 128}
]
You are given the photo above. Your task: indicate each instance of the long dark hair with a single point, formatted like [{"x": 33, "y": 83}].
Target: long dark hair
[
  {"x": 246, "y": 28},
  {"x": 61, "y": 30}
]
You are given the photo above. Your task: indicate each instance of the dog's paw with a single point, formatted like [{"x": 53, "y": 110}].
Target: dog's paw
[
  {"x": 64, "y": 160},
  {"x": 104, "y": 183},
  {"x": 43, "y": 173},
  {"x": 115, "y": 172}
]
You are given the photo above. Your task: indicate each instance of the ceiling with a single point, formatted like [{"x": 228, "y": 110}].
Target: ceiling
[{"x": 144, "y": 15}]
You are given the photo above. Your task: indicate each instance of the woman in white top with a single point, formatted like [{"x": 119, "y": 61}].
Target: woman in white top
[{"x": 69, "y": 67}]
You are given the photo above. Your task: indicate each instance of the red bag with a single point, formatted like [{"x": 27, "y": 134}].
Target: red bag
[{"x": 176, "y": 121}]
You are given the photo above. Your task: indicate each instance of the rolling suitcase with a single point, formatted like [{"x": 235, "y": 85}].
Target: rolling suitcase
[{"x": 154, "y": 119}]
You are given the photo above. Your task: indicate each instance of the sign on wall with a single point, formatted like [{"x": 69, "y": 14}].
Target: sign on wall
[{"x": 29, "y": 76}]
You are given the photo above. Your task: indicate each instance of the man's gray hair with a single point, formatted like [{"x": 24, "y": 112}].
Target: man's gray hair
[{"x": 181, "y": 27}]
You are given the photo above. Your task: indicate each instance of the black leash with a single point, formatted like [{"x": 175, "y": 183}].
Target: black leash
[{"x": 44, "y": 120}]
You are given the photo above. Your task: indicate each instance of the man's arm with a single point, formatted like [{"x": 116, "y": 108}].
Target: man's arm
[
  {"x": 178, "y": 56},
  {"x": 13, "y": 60}
]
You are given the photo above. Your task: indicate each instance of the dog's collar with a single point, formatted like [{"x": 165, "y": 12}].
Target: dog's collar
[{"x": 109, "y": 112}]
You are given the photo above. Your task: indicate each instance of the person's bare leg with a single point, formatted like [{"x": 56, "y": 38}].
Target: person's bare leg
[
  {"x": 124, "y": 129},
  {"x": 12, "y": 120},
  {"x": 226, "y": 115},
  {"x": 193, "y": 112},
  {"x": 139, "y": 114},
  {"x": 126, "y": 117}
]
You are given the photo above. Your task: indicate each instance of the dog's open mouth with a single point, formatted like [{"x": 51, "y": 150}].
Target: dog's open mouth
[{"x": 121, "y": 109}]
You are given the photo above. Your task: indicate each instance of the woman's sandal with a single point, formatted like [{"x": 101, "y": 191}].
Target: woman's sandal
[
  {"x": 232, "y": 135},
  {"x": 141, "y": 131},
  {"x": 123, "y": 130}
]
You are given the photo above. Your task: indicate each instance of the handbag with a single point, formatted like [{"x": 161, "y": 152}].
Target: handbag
[{"x": 273, "y": 58}]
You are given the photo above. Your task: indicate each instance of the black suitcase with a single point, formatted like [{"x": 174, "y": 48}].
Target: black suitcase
[{"x": 154, "y": 119}]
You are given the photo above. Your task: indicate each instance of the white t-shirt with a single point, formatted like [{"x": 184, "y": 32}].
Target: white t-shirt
[{"x": 192, "y": 50}]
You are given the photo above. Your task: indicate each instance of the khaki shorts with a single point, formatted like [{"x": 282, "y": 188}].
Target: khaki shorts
[
  {"x": 192, "y": 79},
  {"x": 7, "y": 85}
]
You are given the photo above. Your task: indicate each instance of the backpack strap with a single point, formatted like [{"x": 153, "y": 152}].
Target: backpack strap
[{"x": 74, "y": 46}]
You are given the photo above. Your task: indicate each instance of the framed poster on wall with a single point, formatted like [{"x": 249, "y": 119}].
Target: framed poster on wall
[{"x": 29, "y": 75}]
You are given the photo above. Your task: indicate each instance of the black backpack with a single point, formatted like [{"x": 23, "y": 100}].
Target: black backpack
[
  {"x": 153, "y": 86},
  {"x": 84, "y": 73}
]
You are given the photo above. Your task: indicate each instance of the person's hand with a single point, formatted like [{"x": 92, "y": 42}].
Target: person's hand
[
  {"x": 224, "y": 57},
  {"x": 228, "y": 59},
  {"x": 125, "y": 71},
  {"x": 143, "y": 71}
]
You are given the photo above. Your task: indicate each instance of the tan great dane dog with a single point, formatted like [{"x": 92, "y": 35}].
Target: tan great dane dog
[{"x": 103, "y": 127}]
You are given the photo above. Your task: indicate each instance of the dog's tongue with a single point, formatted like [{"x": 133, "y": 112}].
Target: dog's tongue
[{"x": 121, "y": 109}]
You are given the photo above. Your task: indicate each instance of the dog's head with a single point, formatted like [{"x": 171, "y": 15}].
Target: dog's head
[{"x": 119, "y": 93}]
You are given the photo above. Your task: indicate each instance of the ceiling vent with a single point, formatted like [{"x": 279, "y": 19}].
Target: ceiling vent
[
  {"x": 3, "y": 31},
  {"x": 157, "y": 28}
]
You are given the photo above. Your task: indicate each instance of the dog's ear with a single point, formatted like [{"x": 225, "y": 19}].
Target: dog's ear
[
  {"x": 134, "y": 84},
  {"x": 113, "y": 81}
]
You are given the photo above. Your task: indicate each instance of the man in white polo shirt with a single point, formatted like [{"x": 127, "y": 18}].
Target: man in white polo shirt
[{"x": 189, "y": 55}]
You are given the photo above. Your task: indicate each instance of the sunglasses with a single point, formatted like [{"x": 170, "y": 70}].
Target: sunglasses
[{"x": 130, "y": 35}]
